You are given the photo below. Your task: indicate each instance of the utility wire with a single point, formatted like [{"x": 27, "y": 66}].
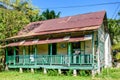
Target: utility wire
[
  {"x": 81, "y": 5},
  {"x": 116, "y": 12}
]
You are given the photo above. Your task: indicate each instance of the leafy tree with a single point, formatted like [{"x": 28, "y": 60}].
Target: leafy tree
[
  {"x": 24, "y": 6},
  {"x": 114, "y": 29},
  {"x": 50, "y": 14},
  {"x": 11, "y": 22}
]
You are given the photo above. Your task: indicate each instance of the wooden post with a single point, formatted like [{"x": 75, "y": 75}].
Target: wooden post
[
  {"x": 6, "y": 67},
  {"x": 93, "y": 48},
  {"x": 6, "y": 55},
  {"x": 14, "y": 55},
  {"x": 24, "y": 54},
  {"x": 45, "y": 71},
  {"x": 51, "y": 54},
  {"x": 21, "y": 70},
  {"x": 35, "y": 54},
  {"x": 98, "y": 63},
  {"x": 93, "y": 73},
  {"x": 59, "y": 71},
  {"x": 32, "y": 70},
  {"x": 74, "y": 72},
  {"x": 69, "y": 53},
  {"x": 29, "y": 50},
  {"x": 93, "y": 64},
  {"x": 84, "y": 47}
]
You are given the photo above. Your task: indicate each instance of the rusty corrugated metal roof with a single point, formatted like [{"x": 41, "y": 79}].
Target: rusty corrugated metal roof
[
  {"x": 47, "y": 41},
  {"x": 80, "y": 22}
]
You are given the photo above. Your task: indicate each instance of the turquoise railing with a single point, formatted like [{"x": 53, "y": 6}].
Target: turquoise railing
[{"x": 81, "y": 59}]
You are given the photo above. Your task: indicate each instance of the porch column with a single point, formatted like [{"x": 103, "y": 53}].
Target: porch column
[
  {"x": 14, "y": 55},
  {"x": 93, "y": 64},
  {"x": 51, "y": 54},
  {"x": 69, "y": 52},
  {"x": 24, "y": 54},
  {"x": 84, "y": 47},
  {"x": 6, "y": 67},
  {"x": 35, "y": 54},
  {"x": 6, "y": 55}
]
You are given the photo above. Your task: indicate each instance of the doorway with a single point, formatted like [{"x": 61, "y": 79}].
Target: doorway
[
  {"x": 75, "y": 52},
  {"x": 75, "y": 47},
  {"x": 54, "y": 49}
]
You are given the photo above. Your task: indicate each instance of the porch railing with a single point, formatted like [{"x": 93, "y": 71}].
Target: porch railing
[{"x": 81, "y": 59}]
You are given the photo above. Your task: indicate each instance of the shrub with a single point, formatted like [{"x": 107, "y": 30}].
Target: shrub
[
  {"x": 69, "y": 73},
  {"x": 118, "y": 56},
  {"x": 83, "y": 73},
  {"x": 52, "y": 72}
]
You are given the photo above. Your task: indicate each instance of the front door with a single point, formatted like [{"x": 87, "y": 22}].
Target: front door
[
  {"x": 75, "y": 51},
  {"x": 54, "y": 48}
]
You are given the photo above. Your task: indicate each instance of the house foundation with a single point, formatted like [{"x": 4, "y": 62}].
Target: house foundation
[
  {"x": 32, "y": 70},
  {"x": 45, "y": 71},
  {"x": 74, "y": 72},
  {"x": 20, "y": 70}
]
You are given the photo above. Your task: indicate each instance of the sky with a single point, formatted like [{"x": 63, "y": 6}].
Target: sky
[{"x": 111, "y": 9}]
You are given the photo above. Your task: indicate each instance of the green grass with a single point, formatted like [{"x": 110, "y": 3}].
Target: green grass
[{"x": 107, "y": 74}]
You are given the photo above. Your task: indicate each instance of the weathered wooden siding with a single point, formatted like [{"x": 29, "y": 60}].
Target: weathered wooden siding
[
  {"x": 82, "y": 46},
  {"x": 101, "y": 40},
  {"x": 88, "y": 46},
  {"x": 96, "y": 41},
  {"x": 42, "y": 49},
  {"x": 62, "y": 48},
  {"x": 20, "y": 50}
]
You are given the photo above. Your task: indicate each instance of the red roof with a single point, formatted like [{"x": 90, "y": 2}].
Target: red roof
[
  {"x": 67, "y": 24},
  {"x": 47, "y": 41}
]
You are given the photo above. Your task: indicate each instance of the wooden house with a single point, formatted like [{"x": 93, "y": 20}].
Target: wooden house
[{"x": 75, "y": 42}]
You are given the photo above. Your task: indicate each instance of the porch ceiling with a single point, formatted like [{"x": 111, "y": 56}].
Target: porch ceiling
[{"x": 47, "y": 41}]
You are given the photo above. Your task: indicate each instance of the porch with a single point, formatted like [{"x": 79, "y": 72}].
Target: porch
[
  {"x": 81, "y": 61},
  {"x": 63, "y": 53}
]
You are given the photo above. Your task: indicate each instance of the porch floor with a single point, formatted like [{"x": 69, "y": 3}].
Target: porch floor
[{"x": 82, "y": 67}]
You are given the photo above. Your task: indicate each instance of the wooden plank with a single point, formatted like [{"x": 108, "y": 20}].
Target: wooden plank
[
  {"x": 35, "y": 54},
  {"x": 24, "y": 54},
  {"x": 93, "y": 49},
  {"x": 86, "y": 67},
  {"x": 6, "y": 55},
  {"x": 69, "y": 52},
  {"x": 51, "y": 54},
  {"x": 14, "y": 55}
]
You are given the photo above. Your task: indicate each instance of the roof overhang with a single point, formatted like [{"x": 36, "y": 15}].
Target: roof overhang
[{"x": 47, "y": 41}]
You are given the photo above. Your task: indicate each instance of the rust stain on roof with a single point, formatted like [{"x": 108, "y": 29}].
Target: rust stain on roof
[{"x": 80, "y": 22}]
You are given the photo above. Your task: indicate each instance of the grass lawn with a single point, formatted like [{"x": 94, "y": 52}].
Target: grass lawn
[{"x": 109, "y": 74}]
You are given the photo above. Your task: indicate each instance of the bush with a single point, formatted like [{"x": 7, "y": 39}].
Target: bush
[
  {"x": 69, "y": 73},
  {"x": 84, "y": 73},
  {"x": 52, "y": 72},
  {"x": 1, "y": 67},
  {"x": 118, "y": 56}
]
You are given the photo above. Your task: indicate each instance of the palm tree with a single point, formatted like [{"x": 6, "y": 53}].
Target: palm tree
[{"x": 50, "y": 14}]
